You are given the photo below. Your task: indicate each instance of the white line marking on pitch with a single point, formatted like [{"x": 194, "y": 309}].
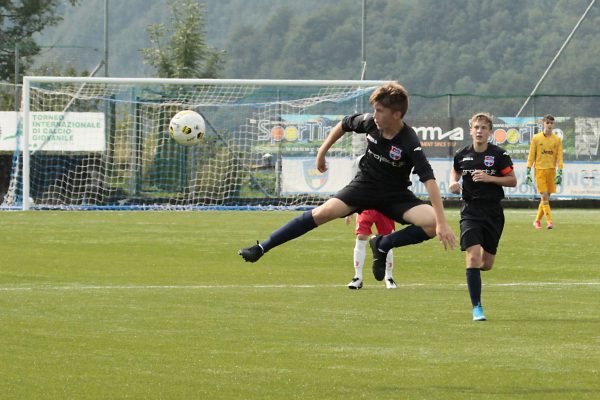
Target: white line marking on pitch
[{"x": 198, "y": 287}]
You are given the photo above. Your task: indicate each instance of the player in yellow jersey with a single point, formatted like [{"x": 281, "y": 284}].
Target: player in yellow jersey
[{"x": 546, "y": 154}]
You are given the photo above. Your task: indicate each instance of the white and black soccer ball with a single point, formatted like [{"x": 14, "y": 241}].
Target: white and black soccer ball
[{"x": 187, "y": 127}]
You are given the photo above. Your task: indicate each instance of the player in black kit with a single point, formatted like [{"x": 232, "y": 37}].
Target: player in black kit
[
  {"x": 382, "y": 182},
  {"x": 484, "y": 168}
]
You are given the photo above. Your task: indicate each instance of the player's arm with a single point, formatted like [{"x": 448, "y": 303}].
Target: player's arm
[
  {"x": 507, "y": 177},
  {"x": 352, "y": 123},
  {"x": 442, "y": 229},
  {"x": 334, "y": 135},
  {"x": 454, "y": 186},
  {"x": 531, "y": 156},
  {"x": 559, "y": 155},
  {"x": 530, "y": 160},
  {"x": 425, "y": 172},
  {"x": 559, "y": 163},
  {"x": 348, "y": 218}
]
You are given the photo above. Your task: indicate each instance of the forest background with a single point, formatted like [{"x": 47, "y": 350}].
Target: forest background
[{"x": 456, "y": 46}]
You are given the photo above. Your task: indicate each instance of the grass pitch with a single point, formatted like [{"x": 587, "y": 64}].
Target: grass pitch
[{"x": 158, "y": 305}]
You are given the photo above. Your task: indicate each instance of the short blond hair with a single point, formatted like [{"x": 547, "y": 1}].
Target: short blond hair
[
  {"x": 391, "y": 95},
  {"x": 484, "y": 116}
]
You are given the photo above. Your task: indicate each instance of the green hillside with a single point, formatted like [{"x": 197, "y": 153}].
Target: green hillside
[
  {"x": 458, "y": 46},
  {"x": 84, "y": 26}
]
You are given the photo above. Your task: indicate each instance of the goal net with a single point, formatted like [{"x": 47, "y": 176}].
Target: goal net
[{"x": 103, "y": 143}]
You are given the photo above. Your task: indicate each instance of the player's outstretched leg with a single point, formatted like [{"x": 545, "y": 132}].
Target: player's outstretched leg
[
  {"x": 293, "y": 229},
  {"x": 379, "y": 258},
  {"x": 412, "y": 234},
  {"x": 252, "y": 253}
]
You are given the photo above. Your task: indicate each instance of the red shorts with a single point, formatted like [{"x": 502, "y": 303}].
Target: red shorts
[{"x": 366, "y": 219}]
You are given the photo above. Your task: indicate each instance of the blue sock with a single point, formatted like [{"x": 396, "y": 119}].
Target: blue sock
[
  {"x": 412, "y": 234},
  {"x": 294, "y": 228},
  {"x": 474, "y": 285}
]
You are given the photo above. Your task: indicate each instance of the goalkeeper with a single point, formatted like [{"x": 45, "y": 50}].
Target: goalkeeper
[{"x": 546, "y": 155}]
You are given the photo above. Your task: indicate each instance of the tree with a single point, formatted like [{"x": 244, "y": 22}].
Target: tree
[
  {"x": 19, "y": 20},
  {"x": 185, "y": 53}
]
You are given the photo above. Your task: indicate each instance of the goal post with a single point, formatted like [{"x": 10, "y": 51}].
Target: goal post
[{"x": 103, "y": 143}]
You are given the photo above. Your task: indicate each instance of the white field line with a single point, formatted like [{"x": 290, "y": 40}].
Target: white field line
[{"x": 258, "y": 286}]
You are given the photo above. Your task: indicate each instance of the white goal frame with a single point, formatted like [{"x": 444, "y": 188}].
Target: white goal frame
[{"x": 28, "y": 81}]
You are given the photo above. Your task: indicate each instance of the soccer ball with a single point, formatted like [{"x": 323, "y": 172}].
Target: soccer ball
[{"x": 187, "y": 127}]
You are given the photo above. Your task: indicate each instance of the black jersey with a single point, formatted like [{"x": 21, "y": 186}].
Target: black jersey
[
  {"x": 389, "y": 162},
  {"x": 494, "y": 161}
]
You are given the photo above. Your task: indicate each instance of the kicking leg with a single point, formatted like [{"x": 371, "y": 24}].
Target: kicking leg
[{"x": 331, "y": 209}]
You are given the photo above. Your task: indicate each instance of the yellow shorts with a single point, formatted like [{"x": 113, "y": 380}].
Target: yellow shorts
[{"x": 544, "y": 180}]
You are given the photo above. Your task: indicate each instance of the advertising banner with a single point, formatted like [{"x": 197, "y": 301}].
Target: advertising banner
[
  {"x": 300, "y": 175},
  {"x": 55, "y": 131},
  {"x": 580, "y": 180},
  {"x": 440, "y": 139},
  {"x": 293, "y": 134}
]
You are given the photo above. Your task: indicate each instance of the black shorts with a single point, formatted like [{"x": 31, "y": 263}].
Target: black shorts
[
  {"x": 481, "y": 224},
  {"x": 391, "y": 202}
]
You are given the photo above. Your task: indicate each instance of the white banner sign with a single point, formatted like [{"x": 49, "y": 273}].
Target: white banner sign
[
  {"x": 54, "y": 131},
  {"x": 580, "y": 180},
  {"x": 300, "y": 175}
]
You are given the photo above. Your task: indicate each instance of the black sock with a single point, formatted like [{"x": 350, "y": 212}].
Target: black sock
[
  {"x": 474, "y": 285},
  {"x": 294, "y": 228},
  {"x": 412, "y": 234}
]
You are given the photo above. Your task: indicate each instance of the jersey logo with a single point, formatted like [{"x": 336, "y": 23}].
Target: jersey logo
[
  {"x": 395, "y": 153},
  {"x": 371, "y": 139},
  {"x": 467, "y": 159},
  {"x": 488, "y": 161},
  {"x": 382, "y": 159}
]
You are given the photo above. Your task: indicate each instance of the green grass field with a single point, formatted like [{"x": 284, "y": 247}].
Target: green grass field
[{"x": 158, "y": 305}]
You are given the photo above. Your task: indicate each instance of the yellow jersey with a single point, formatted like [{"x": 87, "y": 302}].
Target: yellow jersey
[{"x": 546, "y": 152}]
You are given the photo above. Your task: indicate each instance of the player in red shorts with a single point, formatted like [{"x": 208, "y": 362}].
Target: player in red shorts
[{"x": 364, "y": 223}]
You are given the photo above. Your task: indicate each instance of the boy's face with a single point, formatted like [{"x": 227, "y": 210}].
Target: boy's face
[
  {"x": 548, "y": 125},
  {"x": 385, "y": 117},
  {"x": 480, "y": 131}
]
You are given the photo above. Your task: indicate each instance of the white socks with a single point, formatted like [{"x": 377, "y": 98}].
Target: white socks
[
  {"x": 360, "y": 252},
  {"x": 389, "y": 264}
]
